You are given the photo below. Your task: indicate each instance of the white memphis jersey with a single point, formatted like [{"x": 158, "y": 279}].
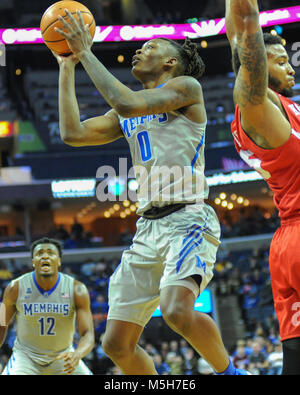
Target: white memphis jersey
[
  {"x": 45, "y": 319},
  {"x": 168, "y": 158}
]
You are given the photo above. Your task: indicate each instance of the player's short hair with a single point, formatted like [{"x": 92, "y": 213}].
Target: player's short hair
[
  {"x": 191, "y": 61},
  {"x": 269, "y": 39},
  {"x": 46, "y": 240}
]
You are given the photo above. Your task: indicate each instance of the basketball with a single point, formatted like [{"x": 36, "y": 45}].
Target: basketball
[{"x": 49, "y": 21}]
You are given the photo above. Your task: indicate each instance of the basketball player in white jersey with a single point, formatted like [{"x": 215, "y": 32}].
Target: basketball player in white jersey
[
  {"x": 47, "y": 303},
  {"x": 174, "y": 249}
]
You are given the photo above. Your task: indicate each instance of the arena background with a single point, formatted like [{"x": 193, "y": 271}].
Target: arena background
[{"x": 37, "y": 198}]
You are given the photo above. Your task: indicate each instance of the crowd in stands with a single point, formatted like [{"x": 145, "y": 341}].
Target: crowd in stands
[
  {"x": 252, "y": 221},
  {"x": 245, "y": 274},
  {"x": 79, "y": 238}
]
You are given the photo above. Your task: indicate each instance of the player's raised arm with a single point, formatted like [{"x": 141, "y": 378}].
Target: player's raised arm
[
  {"x": 8, "y": 308},
  {"x": 230, "y": 27},
  {"x": 177, "y": 93},
  {"x": 95, "y": 131},
  {"x": 252, "y": 79},
  {"x": 183, "y": 91},
  {"x": 260, "y": 115}
]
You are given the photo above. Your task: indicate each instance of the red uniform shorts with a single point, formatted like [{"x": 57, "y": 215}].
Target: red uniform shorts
[{"x": 285, "y": 277}]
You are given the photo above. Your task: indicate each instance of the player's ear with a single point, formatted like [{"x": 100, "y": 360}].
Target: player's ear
[{"x": 172, "y": 62}]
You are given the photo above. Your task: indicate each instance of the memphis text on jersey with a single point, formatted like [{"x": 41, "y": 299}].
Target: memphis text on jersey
[
  {"x": 30, "y": 309},
  {"x": 129, "y": 124}
]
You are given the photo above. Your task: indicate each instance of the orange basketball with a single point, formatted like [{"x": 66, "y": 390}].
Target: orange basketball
[{"x": 50, "y": 20}]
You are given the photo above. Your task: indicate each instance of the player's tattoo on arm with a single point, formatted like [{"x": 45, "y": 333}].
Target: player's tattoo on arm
[
  {"x": 252, "y": 84},
  {"x": 129, "y": 103}
]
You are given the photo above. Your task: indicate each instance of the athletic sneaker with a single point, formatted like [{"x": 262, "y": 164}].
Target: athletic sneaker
[
  {"x": 242, "y": 372},
  {"x": 233, "y": 371}
]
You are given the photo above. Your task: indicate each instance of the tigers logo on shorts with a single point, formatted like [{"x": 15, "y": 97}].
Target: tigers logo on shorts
[{"x": 2, "y": 314}]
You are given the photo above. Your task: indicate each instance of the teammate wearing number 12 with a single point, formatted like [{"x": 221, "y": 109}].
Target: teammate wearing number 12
[
  {"x": 46, "y": 303},
  {"x": 174, "y": 249}
]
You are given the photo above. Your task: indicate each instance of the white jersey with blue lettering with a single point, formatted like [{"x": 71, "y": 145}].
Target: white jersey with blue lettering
[
  {"x": 168, "y": 157},
  {"x": 45, "y": 319}
]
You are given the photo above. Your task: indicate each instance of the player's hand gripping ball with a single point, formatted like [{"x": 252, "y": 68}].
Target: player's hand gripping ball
[{"x": 68, "y": 26}]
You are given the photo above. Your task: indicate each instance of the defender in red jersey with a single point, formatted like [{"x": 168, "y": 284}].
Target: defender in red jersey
[{"x": 266, "y": 133}]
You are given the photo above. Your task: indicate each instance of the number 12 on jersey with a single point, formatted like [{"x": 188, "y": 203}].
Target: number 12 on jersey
[
  {"x": 145, "y": 147},
  {"x": 46, "y": 326}
]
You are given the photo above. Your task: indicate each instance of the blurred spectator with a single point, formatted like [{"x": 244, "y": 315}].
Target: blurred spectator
[
  {"x": 151, "y": 350},
  {"x": 100, "y": 320},
  {"x": 257, "y": 278},
  {"x": 67, "y": 270},
  {"x": 204, "y": 369},
  {"x": 115, "y": 371},
  {"x": 87, "y": 267},
  {"x": 251, "y": 297},
  {"x": 125, "y": 237},
  {"x": 71, "y": 242},
  {"x": 99, "y": 305},
  {"x": 62, "y": 233},
  {"x": 77, "y": 229},
  {"x": 273, "y": 335},
  {"x": 176, "y": 363},
  {"x": 164, "y": 349},
  {"x": 5, "y": 274},
  {"x": 234, "y": 281},
  {"x": 161, "y": 367},
  {"x": 183, "y": 346},
  {"x": 173, "y": 348},
  {"x": 190, "y": 362},
  {"x": 258, "y": 363},
  {"x": 247, "y": 345},
  {"x": 240, "y": 360},
  {"x": 275, "y": 360}
]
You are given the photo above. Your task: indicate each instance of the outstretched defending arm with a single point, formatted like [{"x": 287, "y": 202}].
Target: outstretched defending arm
[
  {"x": 230, "y": 28},
  {"x": 252, "y": 79},
  {"x": 259, "y": 115}
]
